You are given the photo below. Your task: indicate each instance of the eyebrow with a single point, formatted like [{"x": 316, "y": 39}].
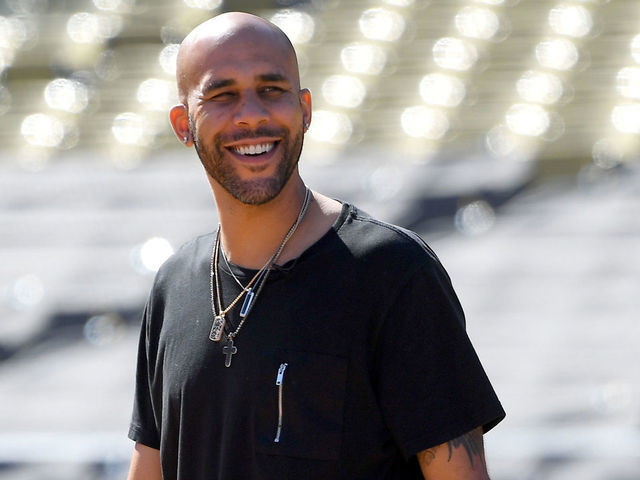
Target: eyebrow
[
  {"x": 216, "y": 84},
  {"x": 272, "y": 77},
  {"x": 227, "y": 82}
]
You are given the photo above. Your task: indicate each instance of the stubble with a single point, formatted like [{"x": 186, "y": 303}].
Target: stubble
[{"x": 255, "y": 191}]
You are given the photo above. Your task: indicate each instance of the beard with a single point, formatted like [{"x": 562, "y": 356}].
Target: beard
[{"x": 256, "y": 191}]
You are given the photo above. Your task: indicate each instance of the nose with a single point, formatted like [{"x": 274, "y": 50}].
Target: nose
[{"x": 251, "y": 112}]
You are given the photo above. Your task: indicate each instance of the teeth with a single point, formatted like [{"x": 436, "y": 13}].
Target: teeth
[{"x": 254, "y": 149}]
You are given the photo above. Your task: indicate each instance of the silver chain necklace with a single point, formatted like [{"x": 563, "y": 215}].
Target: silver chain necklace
[
  {"x": 251, "y": 291},
  {"x": 230, "y": 270}
]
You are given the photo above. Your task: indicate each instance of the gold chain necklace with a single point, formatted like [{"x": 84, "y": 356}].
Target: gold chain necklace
[
  {"x": 217, "y": 329},
  {"x": 259, "y": 279}
]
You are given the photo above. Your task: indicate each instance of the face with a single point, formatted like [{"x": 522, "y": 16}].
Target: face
[{"x": 246, "y": 116}]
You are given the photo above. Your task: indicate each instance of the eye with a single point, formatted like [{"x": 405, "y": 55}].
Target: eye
[
  {"x": 223, "y": 96},
  {"x": 271, "y": 90}
]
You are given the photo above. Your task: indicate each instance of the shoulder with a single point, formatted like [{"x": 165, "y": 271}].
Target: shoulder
[
  {"x": 373, "y": 239},
  {"x": 181, "y": 278},
  {"x": 190, "y": 257}
]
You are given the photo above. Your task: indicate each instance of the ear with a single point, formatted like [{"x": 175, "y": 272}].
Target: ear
[
  {"x": 305, "y": 103},
  {"x": 179, "y": 118}
]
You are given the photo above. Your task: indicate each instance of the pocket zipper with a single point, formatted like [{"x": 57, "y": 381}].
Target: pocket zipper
[{"x": 279, "y": 379}]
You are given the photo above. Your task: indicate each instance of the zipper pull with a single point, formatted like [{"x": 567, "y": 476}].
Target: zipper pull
[
  {"x": 281, "y": 370},
  {"x": 283, "y": 367}
]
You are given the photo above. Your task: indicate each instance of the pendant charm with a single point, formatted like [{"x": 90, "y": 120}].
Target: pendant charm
[
  {"x": 246, "y": 305},
  {"x": 217, "y": 328},
  {"x": 229, "y": 350}
]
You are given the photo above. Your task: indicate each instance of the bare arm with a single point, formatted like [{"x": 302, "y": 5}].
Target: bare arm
[
  {"x": 145, "y": 464},
  {"x": 459, "y": 459}
]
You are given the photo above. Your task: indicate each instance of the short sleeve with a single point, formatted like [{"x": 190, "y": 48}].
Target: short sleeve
[
  {"x": 143, "y": 427},
  {"x": 432, "y": 387}
]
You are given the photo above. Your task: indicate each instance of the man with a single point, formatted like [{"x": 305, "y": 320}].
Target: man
[{"x": 303, "y": 339}]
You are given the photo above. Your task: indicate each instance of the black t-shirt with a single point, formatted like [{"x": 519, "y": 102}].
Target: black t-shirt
[{"x": 378, "y": 363}]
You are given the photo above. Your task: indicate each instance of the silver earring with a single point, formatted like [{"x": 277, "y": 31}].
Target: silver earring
[{"x": 185, "y": 139}]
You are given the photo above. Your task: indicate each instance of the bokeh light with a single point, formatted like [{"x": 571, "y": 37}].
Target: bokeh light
[
  {"x": 203, "y": 4},
  {"x": 635, "y": 48},
  {"x": 113, "y": 5},
  {"x": 363, "y": 58},
  {"x": 149, "y": 257},
  {"x": 628, "y": 82},
  {"x": 540, "y": 87},
  {"x": 299, "y": 26},
  {"x": 105, "y": 329},
  {"x": 490, "y": 2},
  {"x": 424, "y": 122},
  {"x": 527, "y": 119},
  {"x": 501, "y": 141},
  {"x": 156, "y": 94},
  {"x": 454, "y": 54},
  {"x": 385, "y": 182},
  {"x": 402, "y": 3},
  {"x": 477, "y": 22},
  {"x": 168, "y": 57},
  {"x": 381, "y": 24},
  {"x": 344, "y": 91},
  {"x": 10, "y": 38},
  {"x": 606, "y": 153},
  {"x": 557, "y": 54},
  {"x": 91, "y": 28},
  {"x": 331, "y": 127},
  {"x": 25, "y": 292},
  {"x": 613, "y": 397},
  {"x": 626, "y": 118},
  {"x": 571, "y": 20},
  {"x": 27, "y": 7},
  {"x": 6, "y": 59},
  {"x": 129, "y": 128},
  {"x": 475, "y": 218},
  {"x": 42, "y": 130},
  {"x": 67, "y": 95},
  {"x": 442, "y": 90},
  {"x": 14, "y": 33}
]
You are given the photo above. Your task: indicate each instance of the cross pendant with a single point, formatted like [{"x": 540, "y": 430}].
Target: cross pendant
[
  {"x": 217, "y": 328},
  {"x": 229, "y": 350}
]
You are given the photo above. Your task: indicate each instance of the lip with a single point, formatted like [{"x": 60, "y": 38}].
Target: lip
[
  {"x": 253, "y": 159},
  {"x": 252, "y": 141}
]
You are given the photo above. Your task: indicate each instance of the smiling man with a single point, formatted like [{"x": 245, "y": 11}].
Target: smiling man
[{"x": 303, "y": 339}]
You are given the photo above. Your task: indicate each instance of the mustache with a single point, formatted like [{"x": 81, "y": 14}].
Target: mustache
[{"x": 251, "y": 134}]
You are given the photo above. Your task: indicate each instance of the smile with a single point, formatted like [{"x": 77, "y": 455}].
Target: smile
[{"x": 258, "y": 149}]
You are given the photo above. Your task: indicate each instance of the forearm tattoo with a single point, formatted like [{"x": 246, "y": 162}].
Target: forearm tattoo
[
  {"x": 427, "y": 456},
  {"x": 472, "y": 443}
]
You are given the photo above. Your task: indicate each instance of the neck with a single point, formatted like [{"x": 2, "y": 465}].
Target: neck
[{"x": 250, "y": 234}]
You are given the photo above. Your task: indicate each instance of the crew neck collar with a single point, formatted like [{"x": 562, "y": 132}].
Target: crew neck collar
[{"x": 247, "y": 273}]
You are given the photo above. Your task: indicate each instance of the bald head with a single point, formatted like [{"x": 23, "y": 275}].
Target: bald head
[{"x": 233, "y": 33}]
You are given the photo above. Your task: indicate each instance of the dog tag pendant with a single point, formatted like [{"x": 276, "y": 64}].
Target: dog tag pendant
[{"x": 217, "y": 328}]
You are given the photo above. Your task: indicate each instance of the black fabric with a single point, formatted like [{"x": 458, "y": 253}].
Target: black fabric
[{"x": 379, "y": 366}]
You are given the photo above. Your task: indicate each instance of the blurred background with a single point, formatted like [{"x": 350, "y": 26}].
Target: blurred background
[{"x": 507, "y": 133}]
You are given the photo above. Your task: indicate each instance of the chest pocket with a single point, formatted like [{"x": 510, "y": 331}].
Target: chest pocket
[{"x": 300, "y": 405}]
